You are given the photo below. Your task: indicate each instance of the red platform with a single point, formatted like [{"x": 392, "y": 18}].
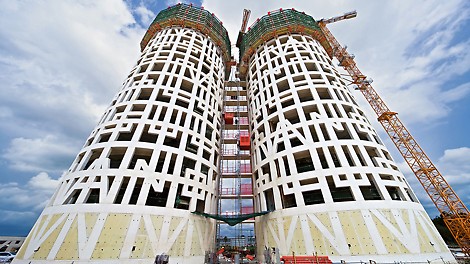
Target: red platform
[
  {"x": 228, "y": 118},
  {"x": 244, "y": 142},
  {"x": 306, "y": 259}
]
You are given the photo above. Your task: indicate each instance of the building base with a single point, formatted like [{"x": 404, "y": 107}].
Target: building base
[
  {"x": 385, "y": 232},
  {"x": 114, "y": 233}
]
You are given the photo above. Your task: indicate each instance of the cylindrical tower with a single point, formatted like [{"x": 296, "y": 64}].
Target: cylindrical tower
[
  {"x": 151, "y": 160},
  {"x": 318, "y": 164}
]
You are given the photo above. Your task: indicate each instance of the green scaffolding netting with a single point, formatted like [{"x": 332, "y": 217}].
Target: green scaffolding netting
[
  {"x": 231, "y": 220},
  {"x": 287, "y": 20},
  {"x": 195, "y": 16}
]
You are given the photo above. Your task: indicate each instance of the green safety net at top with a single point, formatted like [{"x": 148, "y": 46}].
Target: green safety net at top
[
  {"x": 191, "y": 17},
  {"x": 279, "y": 22}
]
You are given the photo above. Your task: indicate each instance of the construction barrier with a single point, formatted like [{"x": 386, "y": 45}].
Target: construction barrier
[{"x": 306, "y": 260}]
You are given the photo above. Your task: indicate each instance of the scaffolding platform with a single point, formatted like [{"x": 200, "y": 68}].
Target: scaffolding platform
[{"x": 235, "y": 84}]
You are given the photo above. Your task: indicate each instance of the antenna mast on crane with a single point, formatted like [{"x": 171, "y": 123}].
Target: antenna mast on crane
[{"x": 452, "y": 209}]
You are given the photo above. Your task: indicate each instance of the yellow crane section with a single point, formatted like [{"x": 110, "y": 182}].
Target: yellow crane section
[{"x": 453, "y": 210}]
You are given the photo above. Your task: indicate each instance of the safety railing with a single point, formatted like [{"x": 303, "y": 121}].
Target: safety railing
[
  {"x": 235, "y": 152},
  {"x": 233, "y": 134},
  {"x": 244, "y": 168},
  {"x": 234, "y": 108},
  {"x": 245, "y": 189}
]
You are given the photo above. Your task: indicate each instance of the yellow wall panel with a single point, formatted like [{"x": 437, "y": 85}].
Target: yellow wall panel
[
  {"x": 195, "y": 244},
  {"x": 90, "y": 220},
  {"x": 69, "y": 248},
  {"x": 272, "y": 231},
  {"x": 364, "y": 238},
  {"x": 320, "y": 243},
  {"x": 177, "y": 248},
  {"x": 387, "y": 237},
  {"x": 435, "y": 239},
  {"x": 112, "y": 237},
  {"x": 424, "y": 242},
  {"x": 325, "y": 220},
  {"x": 298, "y": 240},
  {"x": 405, "y": 216},
  {"x": 46, "y": 246},
  {"x": 348, "y": 222},
  {"x": 157, "y": 222},
  {"x": 286, "y": 222},
  {"x": 392, "y": 244},
  {"x": 142, "y": 247},
  {"x": 388, "y": 214}
]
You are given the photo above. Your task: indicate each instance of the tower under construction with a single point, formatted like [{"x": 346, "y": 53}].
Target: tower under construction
[{"x": 198, "y": 155}]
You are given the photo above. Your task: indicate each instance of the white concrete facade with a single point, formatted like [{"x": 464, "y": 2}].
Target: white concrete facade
[
  {"x": 149, "y": 163},
  {"x": 318, "y": 165},
  {"x": 321, "y": 168}
]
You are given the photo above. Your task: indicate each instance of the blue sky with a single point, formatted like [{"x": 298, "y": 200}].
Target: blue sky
[{"x": 61, "y": 62}]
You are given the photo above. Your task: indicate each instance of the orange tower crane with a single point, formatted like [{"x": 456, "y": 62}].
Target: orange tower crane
[
  {"x": 246, "y": 17},
  {"x": 453, "y": 210}
]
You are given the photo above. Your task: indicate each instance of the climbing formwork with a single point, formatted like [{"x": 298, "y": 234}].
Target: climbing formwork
[
  {"x": 275, "y": 23},
  {"x": 190, "y": 16}
]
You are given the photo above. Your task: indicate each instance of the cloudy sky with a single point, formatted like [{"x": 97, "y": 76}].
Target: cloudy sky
[{"x": 62, "y": 61}]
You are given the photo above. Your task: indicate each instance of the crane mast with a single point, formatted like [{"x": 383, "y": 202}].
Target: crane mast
[
  {"x": 246, "y": 17},
  {"x": 454, "y": 212}
]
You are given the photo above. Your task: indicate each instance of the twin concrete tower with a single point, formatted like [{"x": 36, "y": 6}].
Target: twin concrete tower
[{"x": 150, "y": 178}]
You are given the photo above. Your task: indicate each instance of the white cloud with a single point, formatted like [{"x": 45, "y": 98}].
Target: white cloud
[
  {"x": 456, "y": 93},
  {"x": 146, "y": 16},
  {"x": 27, "y": 199},
  {"x": 40, "y": 154},
  {"x": 63, "y": 61},
  {"x": 174, "y": 2},
  {"x": 60, "y": 64},
  {"x": 455, "y": 165},
  {"x": 43, "y": 182},
  {"x": 412, "y": 59}
]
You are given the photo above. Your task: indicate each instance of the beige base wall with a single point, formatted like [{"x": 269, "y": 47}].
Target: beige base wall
[
  {"x": 383, "y": 235},
  {"x": 111, "y": 237}
]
